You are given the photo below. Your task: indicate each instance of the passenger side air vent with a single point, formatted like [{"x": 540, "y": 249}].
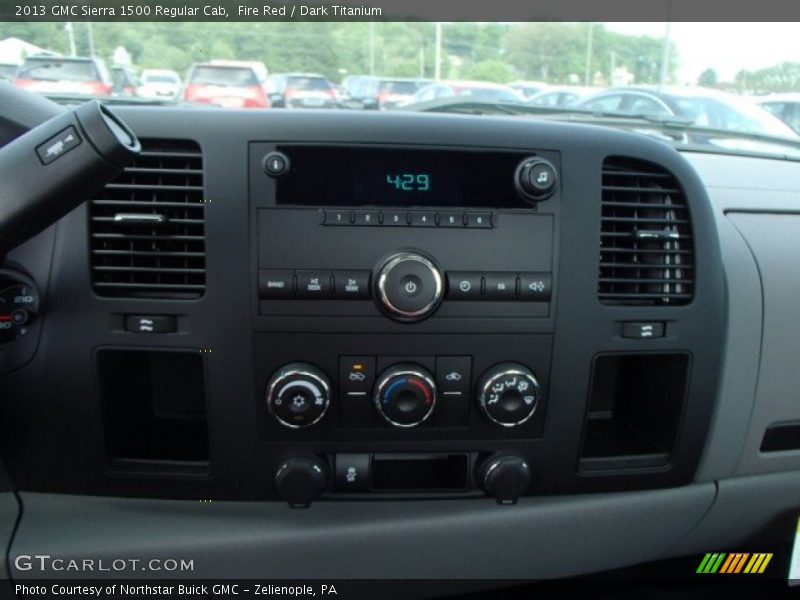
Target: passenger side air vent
[
  {"x": 646, "y": 252},
  {"x": 147, "y": 226}
]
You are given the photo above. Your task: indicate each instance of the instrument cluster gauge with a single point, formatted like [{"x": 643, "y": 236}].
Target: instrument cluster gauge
[{"x": 19, "y": 305}]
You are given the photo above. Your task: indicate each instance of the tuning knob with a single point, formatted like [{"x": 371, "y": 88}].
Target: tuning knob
[
  {"x": 301, "y": 479},
  {"x": 298, "y": 395},
  {"x": 535, "y": 179},
  {"x": 509, "y": 394},
  {"x": 405, "y": 395},
  {"x": 505, "y": 476}
]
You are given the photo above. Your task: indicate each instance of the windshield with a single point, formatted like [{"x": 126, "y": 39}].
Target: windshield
[
  {"x": 58, "y": 70},
  {"x": 574, "y": 69},
  {"x": 223, "y": 76}
]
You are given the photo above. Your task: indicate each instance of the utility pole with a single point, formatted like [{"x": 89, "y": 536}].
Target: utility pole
[
  {"x": 70, "y": 38},
  {"x": 662, "y": 80},
  {"x": 437, "y": 67},
  {"x": 90, "y": 36},
  {"x": 587, "y": 81},
  {"x": 372, "y": 48}
]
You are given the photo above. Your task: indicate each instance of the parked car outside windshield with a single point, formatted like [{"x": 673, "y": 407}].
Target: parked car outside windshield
[
  {"x": 58, "y": 75},
  {"x": 227, "y": 86}
]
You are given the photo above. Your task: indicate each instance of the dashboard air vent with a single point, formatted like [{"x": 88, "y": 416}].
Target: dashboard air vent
[
  {"x": 646, "y": 252},
  {"x": 147, "y": 226}
]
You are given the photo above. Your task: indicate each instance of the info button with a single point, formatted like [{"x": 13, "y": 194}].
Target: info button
[{"x": 463, "y": 285}]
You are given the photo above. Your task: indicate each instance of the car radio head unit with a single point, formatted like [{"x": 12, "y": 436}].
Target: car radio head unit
[{"x": 394, "y": 176}]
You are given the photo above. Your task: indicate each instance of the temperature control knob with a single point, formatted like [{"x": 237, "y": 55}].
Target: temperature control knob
[
  {"x": 405, "y": 395},
  {"x": 509, "y": 394},
  {"x": 298, "y": 395}
]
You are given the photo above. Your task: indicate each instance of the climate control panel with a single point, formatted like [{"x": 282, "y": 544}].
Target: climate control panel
[{"x": 403, "y": 395}]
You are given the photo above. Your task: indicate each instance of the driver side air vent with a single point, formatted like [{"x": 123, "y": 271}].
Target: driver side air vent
[
  {"x": 646, "y": 252},
  {"x": 148, "y": 228}
]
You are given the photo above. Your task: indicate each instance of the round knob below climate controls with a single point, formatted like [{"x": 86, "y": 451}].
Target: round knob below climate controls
[
  {"x": 301, "y": 479},
  {"x": 509, "y": 394},
  {"x": 405, "y": 395},
  {"x": 505, "y": 476},
  {"x": 298, "y": 395},
  {"x": 409, "y": 286}
]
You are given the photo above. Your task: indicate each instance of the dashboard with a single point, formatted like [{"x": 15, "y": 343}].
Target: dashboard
[{"x": 511, "y": 339}]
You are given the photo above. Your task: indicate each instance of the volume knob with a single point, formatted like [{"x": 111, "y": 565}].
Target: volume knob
[{"x": 409, "y": 286}]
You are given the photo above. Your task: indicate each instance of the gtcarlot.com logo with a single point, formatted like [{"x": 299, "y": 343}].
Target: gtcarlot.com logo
[
  {"x": 733, "y": 563},
  {"x": 48, "y": 563}
]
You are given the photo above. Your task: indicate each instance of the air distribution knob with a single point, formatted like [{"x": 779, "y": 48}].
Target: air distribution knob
[
  {"x": 405, "y": 395},
  {"x": 505, "y": 476},
  {"x": 301, "y": 479},
  {"x": 298, "y": 395},
  {"x": 508, "y": 394},
  {"x": 535, "y": 179}
]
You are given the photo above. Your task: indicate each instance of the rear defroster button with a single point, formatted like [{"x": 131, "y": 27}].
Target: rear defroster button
[{"x": 409, "y": 287}]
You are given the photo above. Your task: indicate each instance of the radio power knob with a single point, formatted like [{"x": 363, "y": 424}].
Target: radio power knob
[
  {"x": 409, "y": 286},
  {"x": 509, "y": 394}
]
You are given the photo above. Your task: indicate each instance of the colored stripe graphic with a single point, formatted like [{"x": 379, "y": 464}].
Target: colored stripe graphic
[{"x": 735, "y": 562}]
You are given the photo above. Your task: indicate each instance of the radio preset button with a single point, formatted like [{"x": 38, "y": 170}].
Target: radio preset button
[
  {"x": 395, "y": 218},
  {"x": 276, "y": 285},
  {"x": 479, "y": 220},
  {"x": 313, "y": 284},
  {"x": 535, "y": 287},
  {"x": 451, "y": 219},
  {"x": 351, "y": 285},
  {"x": 464, "y": 285},
  {"x": 422, "y": 218},
  {"x": 409, "y": 286},
  {"x": 367, "y": 217},
  {"x": 337, "y": 217},
  {"x": 500, "y": 286}
]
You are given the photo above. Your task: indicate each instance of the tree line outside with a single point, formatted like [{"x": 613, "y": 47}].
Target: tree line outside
[{"x": 552, "y": 52}]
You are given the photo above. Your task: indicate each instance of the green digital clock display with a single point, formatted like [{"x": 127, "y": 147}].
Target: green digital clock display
[{"x": 409, "y": 182}]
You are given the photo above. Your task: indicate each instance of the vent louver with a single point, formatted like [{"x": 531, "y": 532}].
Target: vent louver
[
  {"x": 646, "y": 251},
  {"x": 148, "y": 228}
]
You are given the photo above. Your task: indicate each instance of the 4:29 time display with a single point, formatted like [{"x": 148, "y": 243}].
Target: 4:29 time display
[{"x": 409, "y": 182}]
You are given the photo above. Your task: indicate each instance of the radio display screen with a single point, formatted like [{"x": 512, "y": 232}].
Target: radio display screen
[{"x": 381, "y": 176}]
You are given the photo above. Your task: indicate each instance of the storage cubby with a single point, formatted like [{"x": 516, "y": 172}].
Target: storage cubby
[
  {"x": 154, "y": 408},
  {"x": 634, "y": 410}
]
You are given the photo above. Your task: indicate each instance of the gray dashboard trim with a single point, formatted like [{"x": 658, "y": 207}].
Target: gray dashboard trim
[
  {"x": 775, "y": 241},
  {"x": 735, "y": 400},
  {"x": 767, "y": 505},
  {"x": 537, "y": 538},
  {"x": 9, "y": 513}
]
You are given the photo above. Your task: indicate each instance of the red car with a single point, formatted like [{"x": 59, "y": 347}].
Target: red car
[{"x": 227, "y": 85}]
